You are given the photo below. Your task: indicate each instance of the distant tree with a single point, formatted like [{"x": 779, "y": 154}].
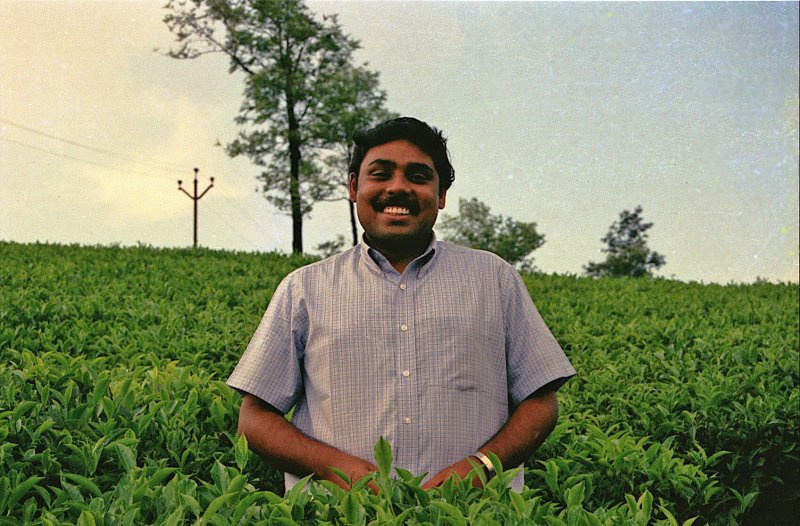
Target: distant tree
[
  {"x": 476, "y": 227},
  {"x": 331, "y": 247},
  {"x": 627, "y": 250},
  {"x": 293, "y": 64}
]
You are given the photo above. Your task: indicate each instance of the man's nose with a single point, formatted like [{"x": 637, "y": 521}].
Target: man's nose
[{"x": 398, "y": 184}]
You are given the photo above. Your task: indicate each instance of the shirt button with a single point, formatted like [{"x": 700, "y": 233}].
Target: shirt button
[
  {"x": 406, "y": 374},
  {"x": 403, "y": 286},
  {"x": 404, "y": 327},
  {"x": 407, "y": 420}
]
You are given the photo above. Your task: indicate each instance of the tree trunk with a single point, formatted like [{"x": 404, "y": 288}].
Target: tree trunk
[
  {"x": 294, "y": 173},
  {"x": 353, "y": 222},
  {"x": 353, "y": 226}
]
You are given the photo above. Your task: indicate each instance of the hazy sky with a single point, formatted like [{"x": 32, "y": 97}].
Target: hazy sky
[{"x": 559, "y": 113}]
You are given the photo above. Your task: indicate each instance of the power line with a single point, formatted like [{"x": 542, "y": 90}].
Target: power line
[
  {"x": 237, "y": 232},
  {"x": 78, "y": 159},
  {"x": 171, "y": 169},
  {"x": 243, "y": 213}
]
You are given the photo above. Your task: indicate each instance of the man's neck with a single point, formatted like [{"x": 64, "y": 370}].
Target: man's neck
[{"x": 400, "y": 254}]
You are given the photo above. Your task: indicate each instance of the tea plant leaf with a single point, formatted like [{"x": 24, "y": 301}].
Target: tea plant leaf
[
  {"x": 383, "y": 457},
  {"x": 402, "y": 518},
  {"x": 216, "y": 504},
  {"x": 22, "y": 408},
  {"x": 236, "y": 484},
  {"x": 241, "y": 452},
  {"x": 331, "y": 488},
  {"x": 175, "y": 518},
  {"x": 361, "y": 483},
  {"x": 158, "y": 477},
  {"x": 245, "y": 505},
  {"x": 574, "y": 495},
  {"x": 451, "y": 512},
  {"x": 670, "y": 517},
  {"x": 4, "y": 494},
  {"x": 190, "y": 502},
  {"x": 341, "y": 474},
  {"x": 126, "y": 456},
  {"x": 476, "y": 508},
  {"x": 747, "y": 501},
  {"x": 86, "y": 518},
  {"x": 83, "y": 482},
  {"x": 645, "y": 504},
  {"x": 353, "y": 511},
  {"x": 518, "y": 503},
  {"x": 19, "y": 490},
  {"x": 408, "y": 477}
]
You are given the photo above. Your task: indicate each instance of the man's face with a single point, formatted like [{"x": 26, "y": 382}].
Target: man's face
[{"x": 397, "y": 194}]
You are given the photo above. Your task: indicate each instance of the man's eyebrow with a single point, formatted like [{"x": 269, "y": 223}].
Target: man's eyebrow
[
  {"x": 411, "y": 167},
  {"x": 421, "y": 167},
  {"x": 383, "y": 162}
]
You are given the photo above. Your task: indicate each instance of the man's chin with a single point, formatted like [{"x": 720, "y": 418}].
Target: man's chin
[{"x": 400, "y": 240}]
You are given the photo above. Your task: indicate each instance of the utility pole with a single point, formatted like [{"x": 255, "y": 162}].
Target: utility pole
[{"x": 195, "y": 198}]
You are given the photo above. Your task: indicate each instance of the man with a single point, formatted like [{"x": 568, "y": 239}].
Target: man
[{"x": 435, "y": 347}]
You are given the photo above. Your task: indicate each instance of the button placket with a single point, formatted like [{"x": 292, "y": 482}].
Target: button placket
[{"x": 407, "y": 417}]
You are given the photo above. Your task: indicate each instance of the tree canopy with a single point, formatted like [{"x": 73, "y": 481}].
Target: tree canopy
[
  {"x": 357, "y": 102},
  {"x": 627, "y": 253},
  {"x": 301, "y": 90},
  {"x": 476, "y": 227}
]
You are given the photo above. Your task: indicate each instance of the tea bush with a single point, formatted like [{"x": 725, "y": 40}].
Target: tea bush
[{"x": 113, "y": 408}]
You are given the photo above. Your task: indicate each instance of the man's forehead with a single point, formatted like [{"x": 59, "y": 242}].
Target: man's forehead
[{"x": 398, "y": 150}]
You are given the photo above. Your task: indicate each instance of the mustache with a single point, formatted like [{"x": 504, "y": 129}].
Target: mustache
[{"x": 399, "y": 200}]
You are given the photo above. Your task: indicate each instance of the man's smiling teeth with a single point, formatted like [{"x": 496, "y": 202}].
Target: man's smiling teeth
[{"x": 396, "y": 210}]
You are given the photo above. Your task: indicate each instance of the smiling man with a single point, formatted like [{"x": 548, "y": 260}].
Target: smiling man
[
  {"x": 398, "y": 195},
  {"x": 435, "y": 347}
]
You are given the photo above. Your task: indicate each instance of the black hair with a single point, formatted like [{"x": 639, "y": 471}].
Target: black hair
[{"x": 427, "y": 138}]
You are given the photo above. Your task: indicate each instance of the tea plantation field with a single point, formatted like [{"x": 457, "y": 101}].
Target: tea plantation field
[{"x": 113, "y": 408}]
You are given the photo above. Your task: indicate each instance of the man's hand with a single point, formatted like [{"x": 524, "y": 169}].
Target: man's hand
[
  {"x": 355, "y": 469},
  {"x": 287, "y": 448},
  {"x": 462, "y": 468},
  {"x": 529, "y": 424}
]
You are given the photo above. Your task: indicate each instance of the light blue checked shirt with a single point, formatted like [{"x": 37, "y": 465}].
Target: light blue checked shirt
[{"x": 430, "y": 359}]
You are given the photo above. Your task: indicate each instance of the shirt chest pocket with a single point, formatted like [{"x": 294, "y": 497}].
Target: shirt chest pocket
[{"x": 462, "y": 355}]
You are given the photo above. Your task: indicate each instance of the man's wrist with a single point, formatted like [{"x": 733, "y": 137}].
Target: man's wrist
[{"x": 484, "y": 461}]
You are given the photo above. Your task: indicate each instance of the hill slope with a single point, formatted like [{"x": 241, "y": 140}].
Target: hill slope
[{"x": 113, "y": 403}]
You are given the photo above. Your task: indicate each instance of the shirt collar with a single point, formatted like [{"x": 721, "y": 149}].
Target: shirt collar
[{"x": 370, "y": 255}]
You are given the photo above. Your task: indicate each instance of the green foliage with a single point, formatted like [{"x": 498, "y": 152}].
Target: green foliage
[
  {"x": 113, "y": 408},
  {"x": 332, "y": 246},
  {"x": 627, "y": 251},
  {"x": 708, "y": 372},
  {"x": 476, "y": 227}
]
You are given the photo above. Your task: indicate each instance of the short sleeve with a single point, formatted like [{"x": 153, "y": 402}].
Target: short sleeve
[
  {"x": 534, "y": 358},
  {"x": 271, "y": 366}
]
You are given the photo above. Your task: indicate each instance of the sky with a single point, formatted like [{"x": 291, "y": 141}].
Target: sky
[{"x": 564, "y": 114}]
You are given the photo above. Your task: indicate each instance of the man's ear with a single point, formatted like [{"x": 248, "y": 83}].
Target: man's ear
[
  {"x": 353, "y": 187},
  {"x": 442, "y": 197}
]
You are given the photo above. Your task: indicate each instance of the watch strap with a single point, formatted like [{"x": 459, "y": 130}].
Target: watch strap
[{"x": 485, "y": 461}]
